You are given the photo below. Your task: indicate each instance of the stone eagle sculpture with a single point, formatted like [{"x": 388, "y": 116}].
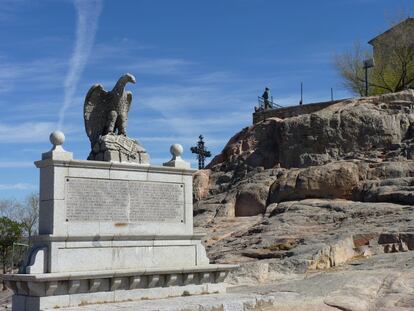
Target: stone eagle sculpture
[{"x": 107, "y": 112}]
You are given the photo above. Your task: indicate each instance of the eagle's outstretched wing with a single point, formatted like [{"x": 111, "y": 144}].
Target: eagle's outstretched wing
[
  {"x": 129, "y": 100},
  {"x": 95, "y": 112}
]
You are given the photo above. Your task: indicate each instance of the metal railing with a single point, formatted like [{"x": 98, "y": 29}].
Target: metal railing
[{"x": 266, "y": 104}]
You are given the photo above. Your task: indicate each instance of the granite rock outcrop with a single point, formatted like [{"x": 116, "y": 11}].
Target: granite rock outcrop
[
  {"x": 379, "y": 127},
  {"x": 318, "y": 191},
  {"x": 359, "y": 149}
]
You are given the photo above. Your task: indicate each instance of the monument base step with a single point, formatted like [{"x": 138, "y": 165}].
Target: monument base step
[
  {"x": 32, "y": 303},
  {"x": 35, "y": 292}
]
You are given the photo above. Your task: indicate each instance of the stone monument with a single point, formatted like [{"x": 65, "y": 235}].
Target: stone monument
[{"x": 113, "y": 230}]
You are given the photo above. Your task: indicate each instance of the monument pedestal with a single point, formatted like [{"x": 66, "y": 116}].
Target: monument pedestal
[
  {"x": 111, "y": 231},
  {"x": 118, "y": 148}
]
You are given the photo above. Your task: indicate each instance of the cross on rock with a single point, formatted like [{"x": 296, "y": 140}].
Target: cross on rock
[{"x": 201, "y": 151}]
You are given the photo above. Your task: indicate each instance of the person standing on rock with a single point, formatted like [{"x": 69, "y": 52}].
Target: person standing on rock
[{"x": 266, "y": 97}]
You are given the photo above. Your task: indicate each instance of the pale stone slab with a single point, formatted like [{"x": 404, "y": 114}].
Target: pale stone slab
[
  {"x": 159, "y": 202},
  {"x": 24, "y": 303},
  {"x": 38, "y": 261},
  {"x": 129, "y": 253},
  {"x": 110, "y": 258},
  {"x": 91, "y": 200}
]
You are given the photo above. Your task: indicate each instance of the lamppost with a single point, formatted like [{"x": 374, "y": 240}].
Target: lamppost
[
  {"x": 368, "y": 63},
  {"x": 201, "y": 152}
]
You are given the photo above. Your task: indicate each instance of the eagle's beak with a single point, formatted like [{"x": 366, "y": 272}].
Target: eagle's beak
[{"x": 132, "y": 79}]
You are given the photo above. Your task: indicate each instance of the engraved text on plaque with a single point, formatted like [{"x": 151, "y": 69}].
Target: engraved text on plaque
[{"x": 104, "y": 200}]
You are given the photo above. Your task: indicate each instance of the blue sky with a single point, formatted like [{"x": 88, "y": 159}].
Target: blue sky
[{"x": 199, "y": 65}]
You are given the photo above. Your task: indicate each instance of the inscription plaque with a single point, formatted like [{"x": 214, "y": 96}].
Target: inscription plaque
[{"x": 104, "y": 200}]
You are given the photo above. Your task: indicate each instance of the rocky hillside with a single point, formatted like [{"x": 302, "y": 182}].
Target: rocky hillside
[
  {"x": 360, "y": 150},
  {"x": 312, "y": 192}
]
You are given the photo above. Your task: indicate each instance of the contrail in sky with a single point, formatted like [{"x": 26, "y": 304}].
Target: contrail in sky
[{"x": 88, "y": 12}]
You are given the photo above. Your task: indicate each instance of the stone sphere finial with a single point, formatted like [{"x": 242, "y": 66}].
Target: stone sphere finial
[
  {"x": 57, "y": 138},
  {"x": 176, "y": 150},
  {"x": 176, "y": 161}
]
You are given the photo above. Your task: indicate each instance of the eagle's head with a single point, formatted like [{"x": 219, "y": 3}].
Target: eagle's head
[{"x": 128, "y": 78}]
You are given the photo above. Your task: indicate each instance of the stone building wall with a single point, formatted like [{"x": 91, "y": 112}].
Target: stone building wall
[
  {"x": 401, "y": 34},
  {"x": 292, "y": 111}
]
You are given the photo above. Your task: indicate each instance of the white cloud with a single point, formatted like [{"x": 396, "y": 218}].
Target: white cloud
[
  {"x": 320, "y": 57},
  {"x": 15, "y": 164},
  {"x": 27, "y": 132},
  {"x": 33, "y": 75},
  {"x": 158, "y": 66},
  {"x": 87, "y": 25},
  {"x": 180, "y": 112},
  {"x": 188, "y": 126},
  {"x": 175, "y": 98},
  {"x": 191, "y": 139},
  {"x": 216, "y": 77},
  {"x": 8, "y": 9},
  {"x": 17, "y": 186},
  {"x": 117, "y": 49},
  {"x": 29, "y": 110}
]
